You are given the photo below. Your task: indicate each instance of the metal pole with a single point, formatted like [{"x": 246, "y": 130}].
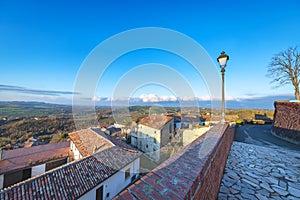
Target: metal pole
[{"x": 223, "y": 96}]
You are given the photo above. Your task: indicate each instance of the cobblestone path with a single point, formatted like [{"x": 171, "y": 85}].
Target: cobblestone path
[{"x": 255, "y": 172}]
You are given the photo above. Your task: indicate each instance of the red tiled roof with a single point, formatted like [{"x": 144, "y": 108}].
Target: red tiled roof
[
  {"x": 86, "y": 141},
  {"x": 25, "y": 157},
  {"x": 155, "y": 121},
  {"x": 74, "y": 179},
  {"x": 114, "y": 140}
]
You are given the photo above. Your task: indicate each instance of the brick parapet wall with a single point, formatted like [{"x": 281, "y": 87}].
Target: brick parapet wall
[
  {"x": 194, "y": 173},
  {"x": 287, "y": 121}
]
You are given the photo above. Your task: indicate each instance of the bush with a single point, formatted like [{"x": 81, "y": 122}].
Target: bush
[{"x": 239, "y": 121}]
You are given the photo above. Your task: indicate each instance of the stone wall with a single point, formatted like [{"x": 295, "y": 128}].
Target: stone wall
[
  {"x": 193, "y": 173},
  {"x": 287, "y": 121}
]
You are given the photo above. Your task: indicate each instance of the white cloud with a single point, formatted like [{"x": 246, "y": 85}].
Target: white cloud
[
  {"x": 155, "y": 98},
  {"x": 189, "y": 98},
  {"x": 96, "y": 98},
  {"x": 227, "y": 98}
]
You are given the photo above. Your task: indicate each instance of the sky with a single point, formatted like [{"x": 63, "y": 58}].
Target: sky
[{"x": 43, "y": 45}]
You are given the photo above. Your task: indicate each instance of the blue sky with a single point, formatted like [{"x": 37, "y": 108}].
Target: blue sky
[{"x": 43, "y": 43}]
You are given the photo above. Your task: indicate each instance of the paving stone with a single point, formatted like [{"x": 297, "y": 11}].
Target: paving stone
[
  {"x": 277, "y": 175},
  {"x": 290, "y": 179},
  {"x": 290, "y": 197},
  {"x": 233, "y": 175},
  {"x": 250, "y": 183},
  {"x": 253, "y": 180},
  {"x": 239, "y": 197},
  {"x": 254, "y": 172},
  {"x": 261, "y": 171},
  {"x": 263, "y": 192},
  {"x": 248, "y": 196},
  {"x": 266, "y": 186},
  {"x": 281, "y": 170},
  {"x": 277, "y": 186},
  {"x": 294, "y": 185},
  {"x": 236, "y": 186},
  {"x": 229, "y": 183},
  {"x": 251, "y": 166},
  {"x": 224, "y": 190},
  {"x": 261, "y": 197},
  {"x": 277, "y": 198},
  {"x": 246, "y": 190},
  {"x": 271, "y": 180},
  {"x": 252, "y": 175},
  {"x": 282, "y": 184},
  {"x": 280, "y": 165},
  {"x": 234, "y": 191},
  {"x": 222, "y": 196},
  {"x": 280, "y": 191},
  {"x": 295, "y": 192}
]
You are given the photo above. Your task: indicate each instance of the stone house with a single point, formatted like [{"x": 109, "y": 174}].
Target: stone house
[{"x": 152, "y": 133}]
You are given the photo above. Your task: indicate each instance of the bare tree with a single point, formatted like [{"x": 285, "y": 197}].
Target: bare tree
[{"x": 284, "y": 69}]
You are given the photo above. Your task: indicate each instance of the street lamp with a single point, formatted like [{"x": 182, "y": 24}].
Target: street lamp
[{"x": 222, "y": 59}]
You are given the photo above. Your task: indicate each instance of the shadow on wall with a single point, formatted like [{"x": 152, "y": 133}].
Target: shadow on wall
[
  {"x": 287, "y": 121},
  {"x": 292, "y": 136}
]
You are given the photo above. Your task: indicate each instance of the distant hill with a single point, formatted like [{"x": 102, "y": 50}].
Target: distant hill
[{"x": 32, "y": 109}]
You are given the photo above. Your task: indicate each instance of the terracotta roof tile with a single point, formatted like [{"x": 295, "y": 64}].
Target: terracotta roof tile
[
  {"x": 74, "y": 179},
  {"x": 25, "y": 157},
  {"x": 87, "y": 141},
  {"x": 155, "y": 121},
  {"x": 115, "y": 141}
]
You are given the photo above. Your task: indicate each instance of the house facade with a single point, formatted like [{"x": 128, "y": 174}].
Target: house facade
[
  {"x": 86, "y": 142},
  {"x": 99, "y": 176},
  {"x": 115, "y": 183},
  {"x": 152, "y": 133},
  {"x": 20, "y": 164}
]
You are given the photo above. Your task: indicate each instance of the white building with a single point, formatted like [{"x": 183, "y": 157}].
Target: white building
[
  {"x": 20, "y": 164},
  {"x": 86, "y": 142},
  {"x": 99, "y": 176},
  {"x": 189, "y": 135},
  {"x": 152, "y": 133}
]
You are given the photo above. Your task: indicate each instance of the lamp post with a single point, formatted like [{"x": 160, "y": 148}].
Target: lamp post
[{"x": 222, "y": 59}]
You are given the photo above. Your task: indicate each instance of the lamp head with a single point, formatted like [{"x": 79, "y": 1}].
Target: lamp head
[{"x": 222, "y": 59}]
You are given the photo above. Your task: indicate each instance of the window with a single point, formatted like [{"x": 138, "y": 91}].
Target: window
[
  {"x": 146, "y": 145},
  {"x": 133, "y": 178},
  {"x": 127, "y": 173},
  {"x": 99, "y": 193}
]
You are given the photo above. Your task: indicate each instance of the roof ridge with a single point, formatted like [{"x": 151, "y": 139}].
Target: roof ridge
[
  {"x": 46, "y": 172},
  {"x": 66, "y": 165},
  {"x": 98, "y": 135}
]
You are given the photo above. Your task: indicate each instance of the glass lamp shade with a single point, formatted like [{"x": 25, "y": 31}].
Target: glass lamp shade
[{"x": 222, "y": 59}]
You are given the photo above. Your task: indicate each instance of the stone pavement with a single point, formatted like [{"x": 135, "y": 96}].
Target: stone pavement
[{"x": 255, "y": 172}]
